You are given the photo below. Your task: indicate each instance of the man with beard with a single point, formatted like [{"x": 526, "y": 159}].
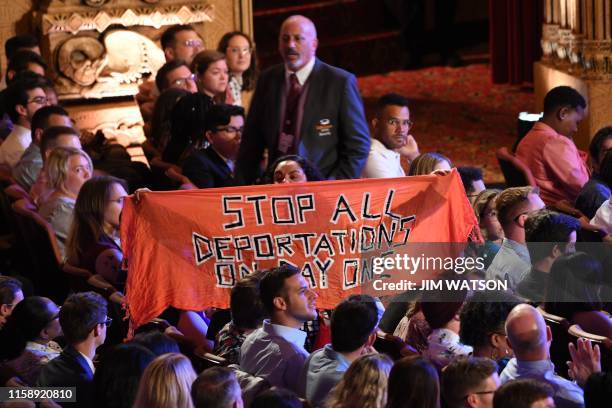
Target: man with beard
[
  {"x": 305, "y": 107},
  {"x": 391, "y": 139},
  {"x": 275, "y": 351}
]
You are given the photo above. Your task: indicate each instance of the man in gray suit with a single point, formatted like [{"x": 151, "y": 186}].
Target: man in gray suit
[{"x": 305, "y": 107}]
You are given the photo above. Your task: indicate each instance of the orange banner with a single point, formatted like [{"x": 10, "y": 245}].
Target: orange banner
[{"x": 188, "y": 248}]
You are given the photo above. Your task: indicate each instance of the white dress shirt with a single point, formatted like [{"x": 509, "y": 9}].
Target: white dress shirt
[
  {"x": 302, "y": 74},
  {"x": 382, "y": 162}
]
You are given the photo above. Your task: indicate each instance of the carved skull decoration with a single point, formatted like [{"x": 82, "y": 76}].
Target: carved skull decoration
[{"x": 81, "y": 59}]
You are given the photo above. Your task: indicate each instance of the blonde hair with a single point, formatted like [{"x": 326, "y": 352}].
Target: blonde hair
[
  {"x": 481, "y": 202},
  {"x": 166, "y": 382},
  {"x": 510, "y": 199},
  {"x": 57, "y": 164},
  {"x": 426, "y": 163},
  {"x": 364, "y": 384}
]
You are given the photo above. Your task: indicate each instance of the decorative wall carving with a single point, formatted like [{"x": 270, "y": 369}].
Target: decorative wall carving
[
  {"x": 104, "y": 48},
  {"x": 81, "y": 59},
  {"x": 92, "y": 68},
  {"x": 577, "y": 37},
  {"x": 101, "y": 19},
  {"x": 94, "y": 59},
  {"x": 94, "y": 3}
]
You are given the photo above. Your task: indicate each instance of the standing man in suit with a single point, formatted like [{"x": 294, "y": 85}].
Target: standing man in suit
[
  {"x": 84, "y": 321},
  {"x": 305, "y": 107}
]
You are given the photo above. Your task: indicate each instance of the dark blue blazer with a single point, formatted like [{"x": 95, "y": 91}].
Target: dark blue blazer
[
  {"x": 334, "y": 134},
  {"x": 206, "y": 169},
  {"x": 69, "y": 369}
]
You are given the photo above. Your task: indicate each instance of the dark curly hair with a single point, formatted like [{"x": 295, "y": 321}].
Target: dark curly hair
[
  {"x": 310, "y": 170},
  {"x": 485, "y": 313}
]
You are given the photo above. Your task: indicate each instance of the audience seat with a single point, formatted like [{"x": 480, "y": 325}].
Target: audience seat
[
  {"x": 605, "y": 344},
  {"x": 515, "y": 171},
  {"x": 16, "y": 192},
  {"x": 6, "y": 175},
  {"x": 82, "y": 280},
  {"x": 5, "y": 202},
  {"x": 393, "y": 346},
  {"x": 204, "y": 360},
  {"x": 559, "y": 353},
  {"x": 42, "y": 250}
]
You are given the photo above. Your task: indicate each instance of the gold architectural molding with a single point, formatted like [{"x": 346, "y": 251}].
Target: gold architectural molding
[
  {"x": 577, "y": 38},
  {"x": 151, "y": 16}
]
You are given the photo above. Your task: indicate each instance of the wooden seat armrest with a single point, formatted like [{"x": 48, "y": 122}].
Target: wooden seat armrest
[
  {"x": 76, "y": 271},
  {"x": 576, "y": 331},
  {"x": 200, "y": 352}
]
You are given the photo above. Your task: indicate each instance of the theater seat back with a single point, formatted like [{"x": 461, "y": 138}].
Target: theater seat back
[
  {"x": 515, "y": 172},
  {"x": 42, "y": 247},
  {"x": 559, "y": 353}
]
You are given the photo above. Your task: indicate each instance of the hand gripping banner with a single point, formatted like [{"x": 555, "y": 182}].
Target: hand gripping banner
[{"x": 188, "y": 248}]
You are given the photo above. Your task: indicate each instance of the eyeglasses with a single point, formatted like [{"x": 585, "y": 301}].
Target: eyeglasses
[
  {"x": 182, "y": 82},
  {"x": 231, "y": 129},
  {"x": 193, "y": 43},
  {"x": 40, "y": 100},
  {"x": 240, "y": 51},
  {"x": 107, "y": 322},
  {"x": 397, "y": 122}
]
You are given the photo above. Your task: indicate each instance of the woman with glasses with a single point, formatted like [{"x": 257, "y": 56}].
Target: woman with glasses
[
  {"x": 93, "y": 242},
  {"x": 242, "y": 63},
  {"x": 68, "y": 168},
  {"x": 27, "y": 338}
]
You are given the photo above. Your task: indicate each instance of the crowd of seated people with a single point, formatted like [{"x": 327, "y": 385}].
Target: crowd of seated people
[{"x": 212, "y": 121}]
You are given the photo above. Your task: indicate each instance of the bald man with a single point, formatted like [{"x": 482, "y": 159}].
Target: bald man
[
  {"x": 305, "y": 107},
  {"x": 530, "y": 337}
]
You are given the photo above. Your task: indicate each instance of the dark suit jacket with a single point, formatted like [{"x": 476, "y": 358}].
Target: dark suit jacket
[
  {"x": 206, "y": 169},
  {"x": 339, "y": 151},
  {"x": 69, "y": 369}
]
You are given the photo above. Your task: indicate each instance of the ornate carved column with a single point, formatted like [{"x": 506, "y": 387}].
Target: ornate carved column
[
  {"x": 577, "y": 45},
  {"x": 550, "y": 30},
  {"x": 597, "y": 48}
]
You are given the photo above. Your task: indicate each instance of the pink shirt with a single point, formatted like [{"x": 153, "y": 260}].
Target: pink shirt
[{"x": 555, "y": 162}]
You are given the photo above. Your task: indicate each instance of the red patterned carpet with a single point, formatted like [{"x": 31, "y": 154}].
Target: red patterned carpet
[{"x": 457, "y": 111}]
